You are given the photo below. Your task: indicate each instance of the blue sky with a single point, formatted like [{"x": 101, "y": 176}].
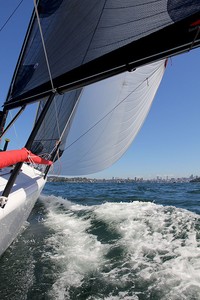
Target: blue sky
[{"x": 168, "y": 143}]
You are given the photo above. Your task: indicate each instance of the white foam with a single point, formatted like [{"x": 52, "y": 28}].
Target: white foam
[
  {"x": 121, "y": 296},
  {"x": 161, "y": 245},
  {"x": 161, "y": 249},
  {"x": 75, "y": 252}
]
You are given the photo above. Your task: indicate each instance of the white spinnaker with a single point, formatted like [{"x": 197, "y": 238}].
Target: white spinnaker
[{"x": 109, "y": 116}]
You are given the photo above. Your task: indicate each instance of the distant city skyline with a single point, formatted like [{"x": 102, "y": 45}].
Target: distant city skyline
[
  {"x": 168, "y": 143},
  {"x": 90, "y": 179}
]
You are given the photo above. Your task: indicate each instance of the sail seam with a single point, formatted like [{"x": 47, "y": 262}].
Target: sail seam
[
  {"x": 135, "y": 5},
  {"x": 86, "y": 52},
  {"x": 135, "y": 37},
  {"x": 136, "y": 20}
]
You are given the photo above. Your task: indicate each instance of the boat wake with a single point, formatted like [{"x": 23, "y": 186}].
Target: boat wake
[
  {"x": 136, "y": 250},
  {"x": 132, "y": 250}
]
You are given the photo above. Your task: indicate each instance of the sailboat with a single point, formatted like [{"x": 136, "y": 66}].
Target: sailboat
[{"x": 119, "y": 48}]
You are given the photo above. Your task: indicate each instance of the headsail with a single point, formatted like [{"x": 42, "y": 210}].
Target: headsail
[
  {"x": 93, "y": 39},
  {"x": 108, "y": 118}
]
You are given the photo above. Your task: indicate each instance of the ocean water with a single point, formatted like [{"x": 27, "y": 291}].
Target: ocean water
[{"x": 133, "y": 241}]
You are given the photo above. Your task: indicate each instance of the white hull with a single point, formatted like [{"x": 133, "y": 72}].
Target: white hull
[{"x": 21, "y": 200}]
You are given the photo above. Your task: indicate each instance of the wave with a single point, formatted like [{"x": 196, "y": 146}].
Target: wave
[{"x": 137, "y": 250}]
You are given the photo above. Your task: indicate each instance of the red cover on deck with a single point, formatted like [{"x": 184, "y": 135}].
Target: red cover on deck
[{"x": 12, "y": 157}]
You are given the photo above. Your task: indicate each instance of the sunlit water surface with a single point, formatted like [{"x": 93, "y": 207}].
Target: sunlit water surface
[{"x": 137, "y": 241}]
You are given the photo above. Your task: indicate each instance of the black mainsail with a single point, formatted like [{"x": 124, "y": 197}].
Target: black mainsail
[{"x": 94, "y": 39}]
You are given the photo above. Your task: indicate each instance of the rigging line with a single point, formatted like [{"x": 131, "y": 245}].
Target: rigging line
[
  {"x": 72, "y": 113},
  {"x": 3, "y": 26},
  {"x": 42, "y": 94},
  {"x": 43, "y": 44},
  {"x": 195, "y": 38},
  {"x": 69, "y": 120},
  {"x": 108, "y": 113},
  {"x": 14, "y": 128}
]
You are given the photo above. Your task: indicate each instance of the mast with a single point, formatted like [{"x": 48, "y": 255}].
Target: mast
[{"x": 28, "y": 145}]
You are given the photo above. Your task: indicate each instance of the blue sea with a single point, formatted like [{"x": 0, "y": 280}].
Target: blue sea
[{"x": 132, "y": 241}]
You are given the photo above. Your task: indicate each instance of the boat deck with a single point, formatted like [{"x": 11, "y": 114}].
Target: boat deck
[{"x": 26, "y": 176}]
